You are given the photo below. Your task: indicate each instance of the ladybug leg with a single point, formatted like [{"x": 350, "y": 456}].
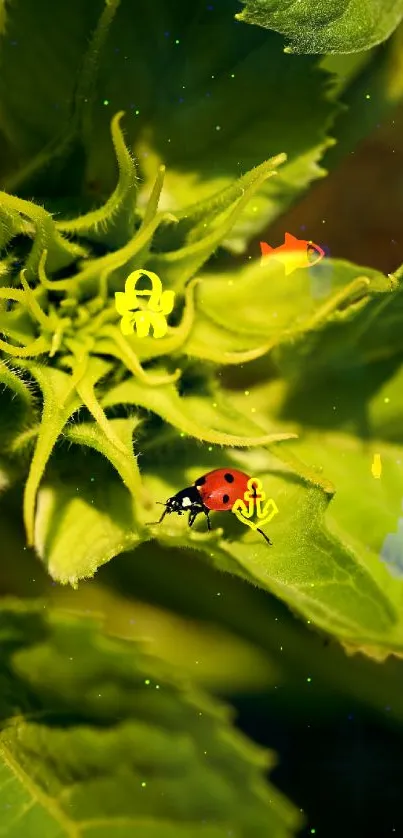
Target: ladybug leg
[
  {"x": 192, "y": 517},
  {"x": 264, "y": 536},
  {"x": 151, "y": 523},
  {"x": 206, "y": 512}
]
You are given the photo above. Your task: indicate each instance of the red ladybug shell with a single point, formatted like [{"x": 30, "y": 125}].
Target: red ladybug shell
[{"x": 219, "y": 489}]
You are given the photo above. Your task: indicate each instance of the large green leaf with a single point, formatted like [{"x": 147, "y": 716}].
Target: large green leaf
[
  {"x": 336, "y": 26},
  {"x": 213, "y": 657},
  {"x": 260, "y": 309},
  {"x": 98, "y": 740},
  {"x": 61, "y": 152},
  {"x": 78, "y": 531},
  {"x": 193, "y": 415},
  {"x": 183, "y": 582},
  {"x": 227, "y": 101},
  {"x": 341, "y": 426},
  {"x": 323, "y": 568}
]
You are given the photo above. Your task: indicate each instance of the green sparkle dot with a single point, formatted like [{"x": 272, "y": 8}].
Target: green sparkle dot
[
  {"x": 137, "y": 112},
  {"x": 367, "y": 96},
  {"x": 147, "y": 682},
  {"x": 106, "y": 102},
  {"x": 232, "y": 75},
  {"x": 143, "y": 785},
  {"x": 313, "y": 831},
  {"x": 309, "y": 680},
  {"x": 177, "y": 41}
]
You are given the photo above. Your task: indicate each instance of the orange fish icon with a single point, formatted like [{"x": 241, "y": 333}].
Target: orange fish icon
[{"x": 294, "y": 253}]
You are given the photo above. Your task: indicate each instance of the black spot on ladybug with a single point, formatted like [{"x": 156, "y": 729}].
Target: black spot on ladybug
[
  {"x": 200, "y": 481},
  {"x": 225, "y": 498},
  {"x": 229, "y": 477}
]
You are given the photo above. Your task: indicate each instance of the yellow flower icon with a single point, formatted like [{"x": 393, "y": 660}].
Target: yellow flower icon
[{"x": 134, "y": 315}]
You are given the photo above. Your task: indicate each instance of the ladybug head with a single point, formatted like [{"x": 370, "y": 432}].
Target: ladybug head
[
  {"x": 188, "y": 500},
  {"x": 174, "y": 504}
]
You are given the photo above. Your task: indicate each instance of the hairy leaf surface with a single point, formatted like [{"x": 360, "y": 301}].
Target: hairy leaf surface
[
  {"x": 328, "y": 26},
  {"x": 112, "y": 745}
]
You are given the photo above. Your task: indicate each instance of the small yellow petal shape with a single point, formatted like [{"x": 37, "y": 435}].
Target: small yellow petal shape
[
  {"x": 142, "y": 320},
  {"x": 127, "y": 324},
  {"x": 121, "y": 303},
  {"x": 159, "y": 325}
]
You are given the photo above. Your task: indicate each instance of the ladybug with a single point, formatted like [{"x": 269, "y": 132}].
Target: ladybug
[{"x": 215, "y": 491}]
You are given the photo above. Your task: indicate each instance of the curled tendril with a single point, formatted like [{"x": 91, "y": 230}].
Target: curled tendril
[{"x": 37, "y": 347}]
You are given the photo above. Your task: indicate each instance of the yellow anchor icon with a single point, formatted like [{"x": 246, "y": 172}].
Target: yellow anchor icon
[
  {"x": 254, "y": 498},
  {"x": 159, "y": 305}
]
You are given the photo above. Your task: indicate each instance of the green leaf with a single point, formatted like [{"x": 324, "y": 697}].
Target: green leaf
[
  {"x": 10, "y": 379},
  {"x": 231, "y": 106},
  {"x": 17, "y": 407},
  {"x": 55, "y": 385},
  {"x": 363, "y": 320},
  {"x": 113, "y": 343},
  {"x": 60, "y": 401},
  {"x": 11, "y": 224},
  {"x": 315, "y": 567},
  {"x": 181, "y": 412},
  {"x": 55, "y": 131},
  {"x": 361, "y": 517},
  {"x": 339, "y": 26},
  {"x": 120, "y": 263},
  {"x": 260, "y": 309},
  {"x": 384, "y": 411},
  {"x": 91, "y": 434},
  {"x": 211, "y": 342},
  {"x": 347, "y": 579},
  {"x": 212, "y": 656},
  {"x": 60, "y": 251},
  {"x": 112, "y": 745},
  {"x": 112, "y": 224},
  {"x": 78, "y": 531},
  {"x": 234, "y": 85},
  {"x": 214, "y": 220}
]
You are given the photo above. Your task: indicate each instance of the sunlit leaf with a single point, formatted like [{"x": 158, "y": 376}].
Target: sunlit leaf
[
  {"x": 184, "y": 414},
  {"x": 77, "y": 532},
  {"x": 314, "y": 566},
  {"x": 344, "y": 26}
]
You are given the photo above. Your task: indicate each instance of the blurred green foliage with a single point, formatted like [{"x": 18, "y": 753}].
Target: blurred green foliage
[{"x": 127, "y": 145}]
